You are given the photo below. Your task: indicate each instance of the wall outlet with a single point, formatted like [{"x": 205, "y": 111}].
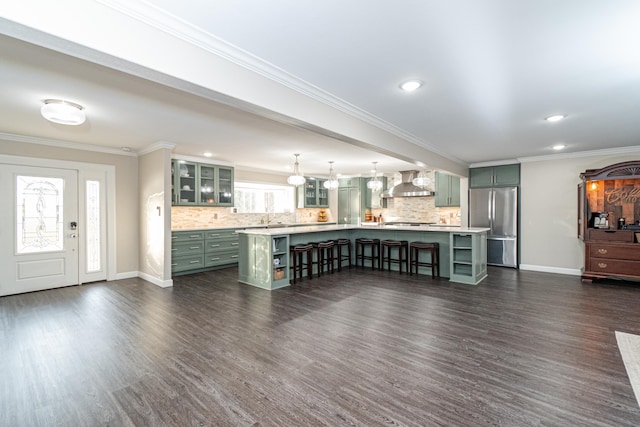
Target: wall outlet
[{"x": 215, "y": 215}]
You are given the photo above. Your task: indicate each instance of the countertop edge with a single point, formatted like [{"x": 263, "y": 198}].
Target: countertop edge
[{"x": 320, "y": 228}]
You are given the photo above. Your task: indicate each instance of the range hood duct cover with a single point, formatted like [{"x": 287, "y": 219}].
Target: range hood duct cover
[{"x": 406, "y": 187}]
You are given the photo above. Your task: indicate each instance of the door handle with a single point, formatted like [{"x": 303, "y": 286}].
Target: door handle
[{"x": 73, "y": 235}]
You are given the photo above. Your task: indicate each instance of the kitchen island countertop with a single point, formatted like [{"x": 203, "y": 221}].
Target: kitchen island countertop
[{"x": 339, "y": 227}]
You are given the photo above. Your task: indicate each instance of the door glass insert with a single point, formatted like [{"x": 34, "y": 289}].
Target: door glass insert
[
  {"x": 39, "y": 214},
  {"x": 93, "y": 226}
]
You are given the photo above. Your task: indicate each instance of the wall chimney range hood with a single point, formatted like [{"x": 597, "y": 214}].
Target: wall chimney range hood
[{"x": 406, "y": 187}]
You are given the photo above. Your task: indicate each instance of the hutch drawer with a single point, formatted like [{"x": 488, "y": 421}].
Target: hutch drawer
[
  {"x": 611, "y": 235},
  {"x": 614, "y": 266},
  {"x": 614, "y": 251}
]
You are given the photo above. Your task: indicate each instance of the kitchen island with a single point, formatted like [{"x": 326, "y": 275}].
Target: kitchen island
[{"x": 264, "y": 253}]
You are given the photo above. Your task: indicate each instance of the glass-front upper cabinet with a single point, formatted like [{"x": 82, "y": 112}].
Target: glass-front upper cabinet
[
  {"x": 201, "y": 184},
  {"x": 207, "y": 184},
  {"x": 184, "y": 182},
  {"x": 323, "y": 194},
  {"x": 225, "y": 186}
]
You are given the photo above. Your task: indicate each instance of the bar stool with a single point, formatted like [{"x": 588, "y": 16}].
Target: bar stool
[
  {"x": 403, "y": 252},
  {"x": 324, "y": 256},
  {"x": 374, "y": 245},
  {"x": 341, "y": 245},
  {"x": 434, "y": 251},
  {"x": 298, "y": 265}
]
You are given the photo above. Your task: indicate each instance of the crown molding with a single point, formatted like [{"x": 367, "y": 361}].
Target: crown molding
[
  {"x": 65, "y": 144},
  {"x": 179, "y": 28},
  {"x": 160, "y": 145},
  {"x": 494, "y": 163},
  {"x": 579, "y": 154}
]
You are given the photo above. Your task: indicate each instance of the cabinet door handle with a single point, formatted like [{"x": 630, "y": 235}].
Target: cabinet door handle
[
  {"x": 234, "y": 244},
  {"x": 215, "y": 259},
  {"x": 235, "y": 256},
  {"x": 194, "y": 247},
  {"x": 194, "y": 236},
  {"x": 194, "y": 262},
  {"x": 602, "y": 251},
  {"x": 214, "y": 246},
  {"x": 602, "y": 265}
]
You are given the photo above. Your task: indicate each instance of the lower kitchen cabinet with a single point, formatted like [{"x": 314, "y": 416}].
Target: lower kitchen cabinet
[
  {"x": 194, "y": 251},
  {"x": 265, "y": 260},
  {"x": 468, "y": 257}
]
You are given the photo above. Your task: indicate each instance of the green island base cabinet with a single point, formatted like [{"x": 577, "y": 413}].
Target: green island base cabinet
[
  {"x": 468, "y": 254},
  {"x": 264, "y": 259},
  {"x": 266, "y": 262},
  {"x": 199, "y": 250}
]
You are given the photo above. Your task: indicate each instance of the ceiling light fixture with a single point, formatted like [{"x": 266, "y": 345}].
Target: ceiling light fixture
[
  {"x": 332, "y": 182},
  {"x": 374, "y": 184},
  {"x": 411, "y": 85},
  {"x": 297, "y": 178},
  {"x": 207, "y": 154},
  {"x": 63, "y": 112},
  {"x": 559, "y": 147},
  {"x": 555, "y": 118},
  {"x": 422, "y": 180}
]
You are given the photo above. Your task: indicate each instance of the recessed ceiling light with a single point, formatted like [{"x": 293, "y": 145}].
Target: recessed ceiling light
[
  {"x": 207, "y": 154},
  {"x": 411, "y": 85},
  {"x": 63, "y": 112},
  {"x": 555, "y": 118},
  {"x": 559, "y": 146}
]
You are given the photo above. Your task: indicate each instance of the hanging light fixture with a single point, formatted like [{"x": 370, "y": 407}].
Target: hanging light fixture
[
  {"x": 332, "y": 182},
  {"x": 63, "y": 112},
  {"x": 297, "y": 178},
  {"x": 422, "y": 180},
  {"x": 374, "y": 184}
]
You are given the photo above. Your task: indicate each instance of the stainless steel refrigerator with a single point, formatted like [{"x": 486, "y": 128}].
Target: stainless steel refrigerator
[{"x": 497, "y": 209}]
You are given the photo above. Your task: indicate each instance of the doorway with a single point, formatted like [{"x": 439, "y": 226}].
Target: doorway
[{"x": 54, "y": 230}]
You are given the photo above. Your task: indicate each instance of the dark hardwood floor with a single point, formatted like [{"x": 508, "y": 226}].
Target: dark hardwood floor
[{"x": 353, "y": 348}]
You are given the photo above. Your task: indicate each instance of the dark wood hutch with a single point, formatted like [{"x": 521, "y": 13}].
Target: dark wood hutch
[{"x": 611, "y": 250}]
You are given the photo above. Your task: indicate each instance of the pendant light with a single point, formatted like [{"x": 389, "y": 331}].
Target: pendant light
[
  {"x": 297, "y": 178},
  {"x": 374, "y": 184},
  {"x": 422, "y": 180},
  {"x": 332, "y": 182}
]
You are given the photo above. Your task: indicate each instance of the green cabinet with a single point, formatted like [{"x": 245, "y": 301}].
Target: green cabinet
[
  {"x": 372, "y": 197},
  {"x": 494, "y": 176},
  {"x": 187, "y": 251},
  {"x": 468, "y": 257},
  {"x": 447, "y": 190},
  {"x": 265, "y": 260},
  {"x": 193, "y": 251},
  {"x": 201, "y": 184},
  {"x": 313, "y": 194}
]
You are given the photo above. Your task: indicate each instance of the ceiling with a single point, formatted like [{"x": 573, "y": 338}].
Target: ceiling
[{"x": 492, "y": 71}]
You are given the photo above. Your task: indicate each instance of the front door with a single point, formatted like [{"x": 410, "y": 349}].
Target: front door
[{"x": 38, "y": 228}]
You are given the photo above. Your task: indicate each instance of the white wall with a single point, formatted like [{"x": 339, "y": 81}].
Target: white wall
[
  {"x": 155, "y": 216},
  {"x": 549, "y": 211}
]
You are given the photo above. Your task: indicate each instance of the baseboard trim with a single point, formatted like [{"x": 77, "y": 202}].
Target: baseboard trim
[
  {"x": 145, "y": 276},
  {"x": 555, "y": 270},
  {"x": 155, "y": 280},
  {"x": 126, "y": 275}
]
